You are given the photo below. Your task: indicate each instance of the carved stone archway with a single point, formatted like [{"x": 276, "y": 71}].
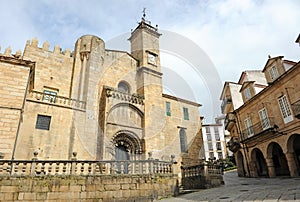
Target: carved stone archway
[{"x": 128, "y": 142}]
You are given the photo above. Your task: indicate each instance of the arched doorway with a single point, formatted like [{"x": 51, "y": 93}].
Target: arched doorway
[
  {"x": 259, "y": 163},
  {"x": 128, "y": 146},
  {"x": 240, "y": 164},
  {"x": 279, "y": 160},
  {"x": 293, "y": 146}
]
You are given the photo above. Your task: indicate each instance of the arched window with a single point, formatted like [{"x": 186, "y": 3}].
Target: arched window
[{"x": 124, "y": 87}]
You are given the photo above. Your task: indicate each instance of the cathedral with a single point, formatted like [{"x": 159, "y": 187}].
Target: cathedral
[{"x": 98, "y": 103}]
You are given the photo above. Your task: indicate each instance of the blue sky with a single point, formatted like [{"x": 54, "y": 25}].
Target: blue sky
[{"x": 234, "y": 34}]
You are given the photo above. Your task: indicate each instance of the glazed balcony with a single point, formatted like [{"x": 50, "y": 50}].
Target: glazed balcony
[
  {"x": 225, "y": 103},
  {"x": 296, "y": 109},
  {"x": 229, "y": 121},
  {"x": 233, "y": 144},
  {"x": 260, "y": 128}
]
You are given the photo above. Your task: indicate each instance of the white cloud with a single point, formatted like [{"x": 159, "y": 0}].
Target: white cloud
[{"x": 235, "y": 34}]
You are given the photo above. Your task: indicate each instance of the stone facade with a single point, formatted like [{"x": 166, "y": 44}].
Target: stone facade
[
  {"x": 102, "y": 104},
  {"x": 265, "y": 134},
  {"x": 87, "y": 188}
]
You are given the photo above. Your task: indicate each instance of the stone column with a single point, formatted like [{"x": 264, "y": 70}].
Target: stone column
[
  {"x": 271, "y": 168},
  {"x": 290, "y": 157}
]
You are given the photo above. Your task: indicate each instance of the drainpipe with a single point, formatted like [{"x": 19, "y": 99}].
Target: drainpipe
[
  {"x": 245, "y": 148},
  {"x": 20, "y": 119}
]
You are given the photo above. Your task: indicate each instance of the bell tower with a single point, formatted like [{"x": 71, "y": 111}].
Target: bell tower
[
  {"x": 145, "y": 48},
  {"x": 145, "y": 45}
]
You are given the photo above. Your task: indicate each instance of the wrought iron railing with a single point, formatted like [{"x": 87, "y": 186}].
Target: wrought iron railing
[
  {"x": 259, "y": 127},
  {"x": 44, "y": 97},
  {"x": 296, "y": 109}
]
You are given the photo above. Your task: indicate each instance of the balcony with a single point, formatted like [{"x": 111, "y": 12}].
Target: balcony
[
  {"x": 233, "y": 144},
  {"x": 55, "y": 100},
  {"x": 225, "y": 104},
  {"x": 116, "y": 94},
  {"x": 296, "y": 109},
  {"x": 260, "y": 128},
  {"x": 229, "y": 121}
]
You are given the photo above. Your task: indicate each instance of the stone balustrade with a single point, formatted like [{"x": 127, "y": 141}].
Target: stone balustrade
[
  {"x": 206, "y": 175},
  {"x": 77, "y": 167},
  {"x": 56, "y": 100},
  {"x": 131, "y": 98}
]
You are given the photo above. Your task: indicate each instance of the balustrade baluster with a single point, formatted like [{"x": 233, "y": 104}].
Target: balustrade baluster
[
  {"x": 90, "y": 168},
  {"x": 82, "y": 168},
  {"x": 49, "y": 168},
  {"x": 57, "y": 165}
]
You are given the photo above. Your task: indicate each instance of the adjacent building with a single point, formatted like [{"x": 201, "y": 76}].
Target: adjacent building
[
  {"x": 262, "y": 115},
  {"x": 214, "y": 141},
  {"x": 101, "y": 104}
]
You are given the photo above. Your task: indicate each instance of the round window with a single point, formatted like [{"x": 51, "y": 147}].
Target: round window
[{"x": 123, "y": 87}]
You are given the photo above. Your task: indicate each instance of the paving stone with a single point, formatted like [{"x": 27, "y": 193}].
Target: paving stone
[{"x": 246, "y": 189}]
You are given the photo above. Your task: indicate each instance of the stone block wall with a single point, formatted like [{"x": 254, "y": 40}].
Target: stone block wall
[{"x": 87, "y": 188}]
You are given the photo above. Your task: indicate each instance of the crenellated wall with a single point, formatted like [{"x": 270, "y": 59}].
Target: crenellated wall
[{"x": 53, "y": 68}]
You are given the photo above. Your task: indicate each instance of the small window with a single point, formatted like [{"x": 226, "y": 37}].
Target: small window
[
  {"x": 285, "y": 109},
  {"x": 123, "y": 87},
  {"x": 211, "y": 156},
  {"x": 49, "y": 96},
  {"x": 207, "y": 129},
  {"x": 220, "y": 155},
  {"x": 185, "y": 113},
  {"x": 217, "y": 136},
  {"x": 208, "y": 136},
  {"x": 168, "y": 108},
  {"x": 210, "y": 146},
  {"x": 43, "y": 122},
  {"x": 249, "y": 127},
  {"x": 152, "y": 58},
  {"x": 273, "y": 73},
  {"x": 218, "y": 145},
  {"x": 247, "y": 93},
  {"x": 183, "y": 141}
]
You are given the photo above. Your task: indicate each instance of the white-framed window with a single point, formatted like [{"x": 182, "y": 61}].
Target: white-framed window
[
  {"x": 247, "y": 93},
  {"x": 273, "y": 73},
  {"x": 210, "y": 146},
  {"x": 49, "y": 96},
  {"x": 249, "y": 127},
  {"x": 265, "y": 122},
  {"x": 285, "y": 109}
]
